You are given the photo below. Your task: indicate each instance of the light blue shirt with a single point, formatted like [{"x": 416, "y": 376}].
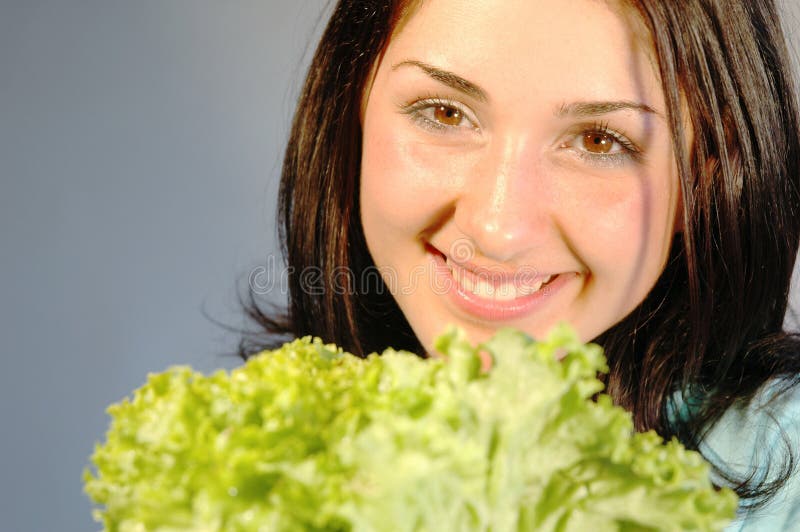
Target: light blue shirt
[{"x": 743, "y": 439}]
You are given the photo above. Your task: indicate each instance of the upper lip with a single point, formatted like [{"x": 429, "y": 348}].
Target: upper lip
[{"x": 497, "y": 274}]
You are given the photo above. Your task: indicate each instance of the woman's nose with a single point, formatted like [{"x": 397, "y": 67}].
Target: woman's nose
[{"x": 506, "y": 205}]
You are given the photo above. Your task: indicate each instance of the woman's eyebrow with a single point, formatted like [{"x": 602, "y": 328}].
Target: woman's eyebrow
[
  {"x": 448, "y": 78},
  {"x": 587, "y": 109},
  {"x": 577, "y": 109}
]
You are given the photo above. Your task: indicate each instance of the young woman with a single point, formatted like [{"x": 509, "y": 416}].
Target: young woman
[{"x": 631, "y": 168}]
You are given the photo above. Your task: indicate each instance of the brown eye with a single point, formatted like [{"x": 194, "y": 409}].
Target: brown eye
[
  {"x": 447, "y": 115},
  {"x": 598, "y": 142}
]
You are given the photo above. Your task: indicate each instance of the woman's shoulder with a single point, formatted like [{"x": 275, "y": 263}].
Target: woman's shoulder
[{"x": 760, "y": 438}]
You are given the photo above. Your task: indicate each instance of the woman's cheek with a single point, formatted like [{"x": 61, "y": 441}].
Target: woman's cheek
[
  {"x": 626, "y": 240},
  {"x": 386, "y": 184},
  {"x": 407, "y": 177},
  {"x": 441, "y": 165}
]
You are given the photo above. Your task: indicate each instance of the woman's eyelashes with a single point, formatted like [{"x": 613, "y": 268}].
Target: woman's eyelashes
[
  {"x": 599, "y": 145},
  {"x": 595, "y": 143},
  {"x": 440, "y": 115}
]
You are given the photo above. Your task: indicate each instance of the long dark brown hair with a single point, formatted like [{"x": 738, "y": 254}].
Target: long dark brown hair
[{"x": 711, "y": 328}]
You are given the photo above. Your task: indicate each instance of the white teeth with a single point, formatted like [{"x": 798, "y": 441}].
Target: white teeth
[
  {"x": 529, "y": 289},
  {"x": 499, "y": 292}
]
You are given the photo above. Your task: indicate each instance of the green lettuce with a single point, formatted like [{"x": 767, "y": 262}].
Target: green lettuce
[{"x": 308, "y": 437}]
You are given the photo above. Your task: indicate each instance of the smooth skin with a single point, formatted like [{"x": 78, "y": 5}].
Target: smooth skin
[{"x": 518, "y": 136}]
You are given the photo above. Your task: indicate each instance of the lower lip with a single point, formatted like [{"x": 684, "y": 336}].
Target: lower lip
[{"x": 490, "y": 309}]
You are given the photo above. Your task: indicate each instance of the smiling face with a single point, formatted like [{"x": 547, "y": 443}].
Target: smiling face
[{"x": 517, "y": 168}]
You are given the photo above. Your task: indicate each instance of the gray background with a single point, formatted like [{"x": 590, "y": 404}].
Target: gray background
[{"x": 140, "y": 145}]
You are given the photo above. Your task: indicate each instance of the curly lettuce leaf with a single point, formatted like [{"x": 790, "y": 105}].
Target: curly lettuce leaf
[{"x": 308, "y": 437}]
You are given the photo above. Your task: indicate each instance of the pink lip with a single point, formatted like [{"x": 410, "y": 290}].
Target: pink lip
[
  {"x": 490, "y": 309},
  {"x": 520, "y": 278}
]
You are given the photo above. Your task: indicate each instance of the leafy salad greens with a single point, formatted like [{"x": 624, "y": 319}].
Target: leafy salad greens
[{"x": 308, "y": 437}]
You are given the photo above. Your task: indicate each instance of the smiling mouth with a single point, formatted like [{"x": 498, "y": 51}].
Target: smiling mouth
[
  {"x": 498, "y": 288},
  {"x": 493, "y": 295}
]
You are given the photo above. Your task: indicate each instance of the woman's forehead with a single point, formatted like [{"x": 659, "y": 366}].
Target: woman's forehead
[{"x": 593, "y": 45}]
